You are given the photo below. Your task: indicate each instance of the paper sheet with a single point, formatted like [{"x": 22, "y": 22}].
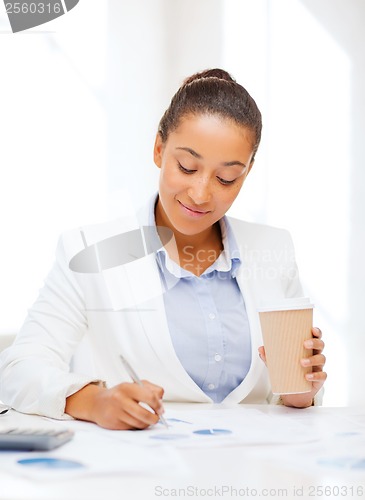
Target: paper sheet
[
  {"x": 299, "y": 439},
  {"x": 219, "y": 427},
  {"x": 339, "y": 454}
]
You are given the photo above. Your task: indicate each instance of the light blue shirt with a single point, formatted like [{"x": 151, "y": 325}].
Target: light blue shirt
[{"x": 207, "y": 318}]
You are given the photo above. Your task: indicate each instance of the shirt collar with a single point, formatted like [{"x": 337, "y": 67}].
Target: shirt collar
[{"x": 228, "y": 261}]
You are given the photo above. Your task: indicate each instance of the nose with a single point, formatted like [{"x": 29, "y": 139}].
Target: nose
[{"x": 200, "y": 190}]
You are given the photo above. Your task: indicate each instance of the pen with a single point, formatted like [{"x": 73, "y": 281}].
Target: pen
[{"x": 138, "y": 381}]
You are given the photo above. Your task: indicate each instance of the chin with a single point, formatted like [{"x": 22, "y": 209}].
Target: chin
[{"x": 191, "y": 228}]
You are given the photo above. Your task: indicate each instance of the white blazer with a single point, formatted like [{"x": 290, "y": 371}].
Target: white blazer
[{"x": 121, "y": 310}]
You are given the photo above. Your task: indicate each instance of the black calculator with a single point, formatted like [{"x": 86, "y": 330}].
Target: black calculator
[{"x": 33, "y": 439}]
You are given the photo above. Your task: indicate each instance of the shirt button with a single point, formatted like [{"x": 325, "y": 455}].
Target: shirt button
[
  {"x": 211, "y": 386},
  {"x": 218, "y": 357},
  {"x": 212, "y": 316}
]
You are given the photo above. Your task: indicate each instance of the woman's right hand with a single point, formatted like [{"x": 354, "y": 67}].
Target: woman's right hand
[{"x": 119, "y": 407}]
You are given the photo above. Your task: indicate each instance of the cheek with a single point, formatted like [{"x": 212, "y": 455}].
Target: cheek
[
  {"x": 236, "y": 188},
  {"x": 170, "y": 179},
  {"x": 227, "y": 196}
]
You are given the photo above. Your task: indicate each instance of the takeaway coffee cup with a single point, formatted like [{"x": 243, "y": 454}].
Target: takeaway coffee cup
[{"x": 285, "y": 326}]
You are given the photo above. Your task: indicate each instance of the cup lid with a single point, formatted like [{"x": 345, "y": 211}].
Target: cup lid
[{"x": 293, "y": 303}]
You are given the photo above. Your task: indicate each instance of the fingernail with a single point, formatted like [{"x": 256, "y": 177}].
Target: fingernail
[
  {"x": 310, "y": 376},
  {"x": 308, "y": 343},
  {"x": 305, "y": 362}
]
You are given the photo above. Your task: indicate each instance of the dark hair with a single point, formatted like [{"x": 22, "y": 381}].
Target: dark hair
[{"x": 212, "y": 92}]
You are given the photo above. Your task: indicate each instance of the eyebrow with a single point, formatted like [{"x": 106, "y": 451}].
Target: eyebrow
[{"x": 199, "y": 157}]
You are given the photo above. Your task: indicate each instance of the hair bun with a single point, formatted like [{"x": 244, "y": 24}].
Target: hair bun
[
  {"x": 213, "y": 92},
  {"x": 210, "y": 73}
]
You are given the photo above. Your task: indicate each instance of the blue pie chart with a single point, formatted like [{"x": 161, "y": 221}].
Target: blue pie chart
[
  {"x": 50, "y": 463},
  {"x": 213, "y": 432}
]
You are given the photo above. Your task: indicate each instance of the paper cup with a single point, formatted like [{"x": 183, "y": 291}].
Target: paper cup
[{"x": 285, "y": 326}]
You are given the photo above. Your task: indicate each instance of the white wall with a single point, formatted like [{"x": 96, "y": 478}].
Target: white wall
[
  {"x": 53, "y": 146},
  {"x": 306, "y": 60},
  {"x": 151, "y": 49},
  {"x": 344, "y": 22}
]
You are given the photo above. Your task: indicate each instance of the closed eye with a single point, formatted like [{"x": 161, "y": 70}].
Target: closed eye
[
  {"x": 225, "y": 182},
  {"x": 188, "y": 171},
  {"x": 185, "y": 170}
]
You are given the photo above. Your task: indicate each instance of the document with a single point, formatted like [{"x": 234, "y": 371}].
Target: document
[
  {"x": 212, "y": 428},
  {"x": 298, "y": 439},
  {"x": 223, "y": 427}
]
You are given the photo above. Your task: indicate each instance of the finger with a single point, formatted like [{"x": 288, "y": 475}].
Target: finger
[
  {"x": 127, "y": 397},
  {"x": 262, "y": 353},
  {"x": 317, "y": 376},
  {"x": 140, "y": 414},
  {"x": 316, "y": 344},
  {"x": 130, "y": 421},
  {"x": 316, "y": 332},
  {"x": 142, "y": 394},
  {"x": 115, "y": 417},
  {"x": 316, "y": 360},
  {"x": 155, "y": 388}
]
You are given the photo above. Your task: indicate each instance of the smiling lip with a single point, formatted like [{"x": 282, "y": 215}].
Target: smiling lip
[{"x": 192, "y": 212}]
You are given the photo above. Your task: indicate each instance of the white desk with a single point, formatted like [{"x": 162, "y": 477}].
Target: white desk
[{"x": 223, "y": 472}]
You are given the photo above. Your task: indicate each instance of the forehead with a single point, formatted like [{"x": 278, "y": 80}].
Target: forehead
[{"x": 213, "y": 137}]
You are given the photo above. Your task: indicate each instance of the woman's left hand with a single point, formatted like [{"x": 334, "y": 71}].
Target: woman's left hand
[{"x": 317, "y": 376}]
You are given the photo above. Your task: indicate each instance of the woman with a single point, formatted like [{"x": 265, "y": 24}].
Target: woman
[{"x": 200, "y": 339}]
